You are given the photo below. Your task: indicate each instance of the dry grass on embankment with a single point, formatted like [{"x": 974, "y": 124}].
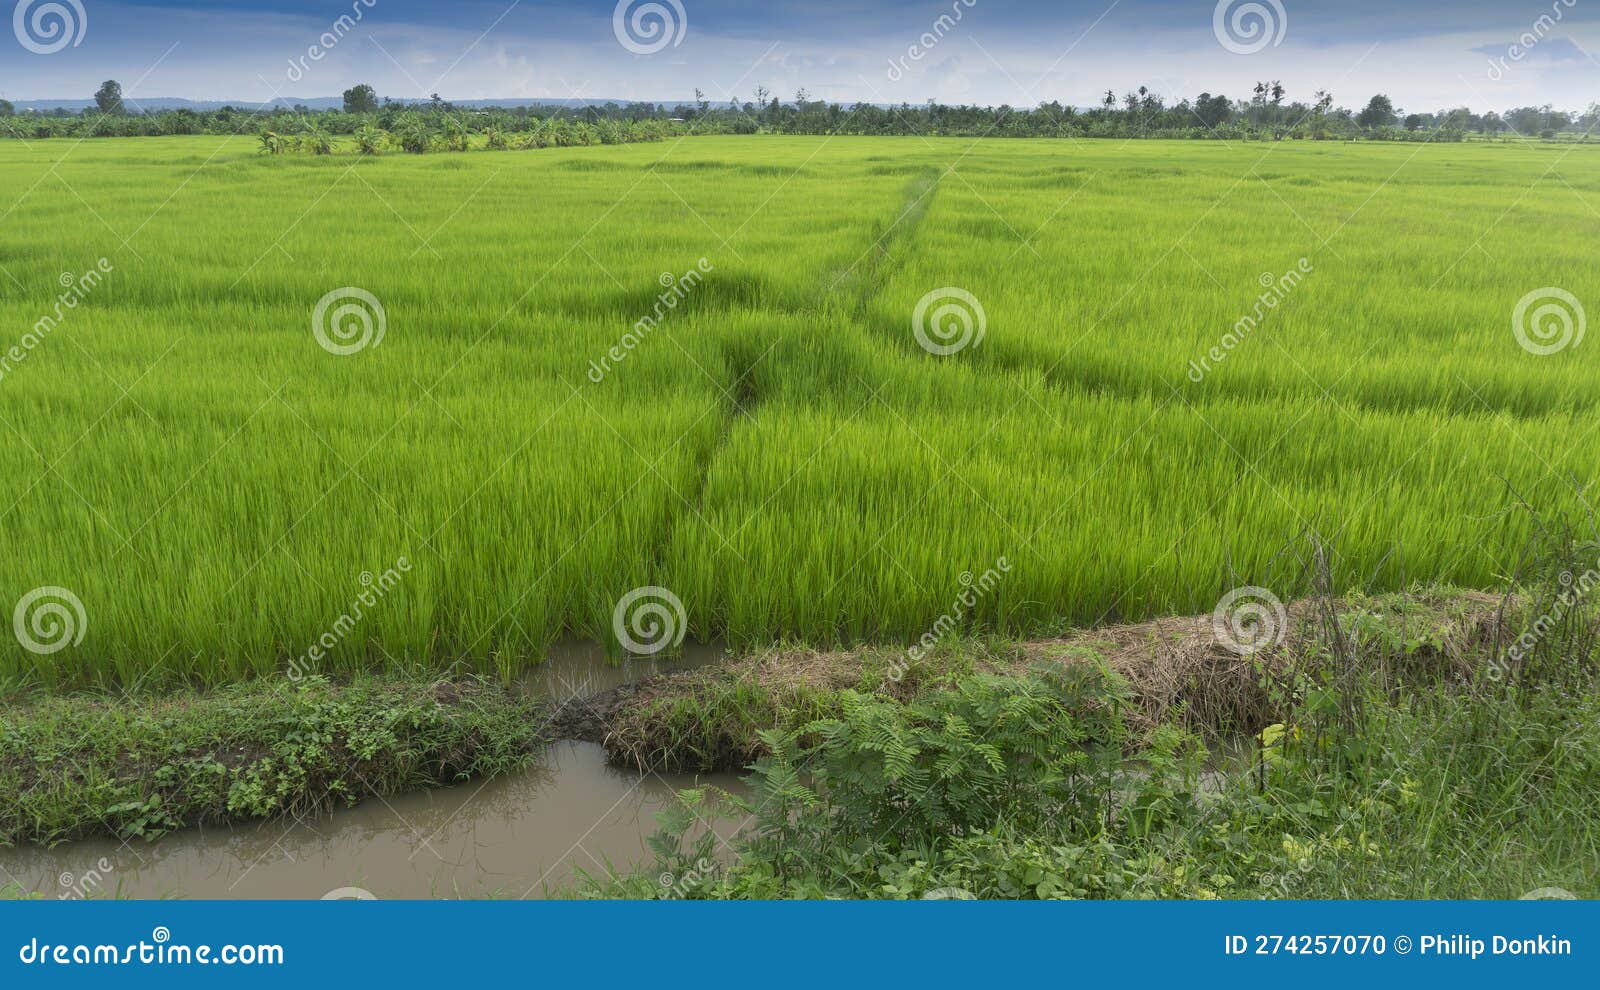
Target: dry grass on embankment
[{"x": 1175, "y": 668}]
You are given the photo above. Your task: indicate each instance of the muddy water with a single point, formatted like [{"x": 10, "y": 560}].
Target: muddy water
[
  {"x": 517, "y": 836},
  {"x": 581, "y": 670},
  {"x": 523, "y": 835}
]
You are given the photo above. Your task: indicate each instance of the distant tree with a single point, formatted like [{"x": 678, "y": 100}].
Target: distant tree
[
  {"x": 456, "y": 137},
  {"x": 273, "y": 143},
  {"x": 419, "y": 126},
  {"x": 1525, "y": 120},
  {"x": 1590, "y": 120},
  {"x": 1213, "y": 111},
  {"x": 7, "y": 108},
  {"x": 315, "y": 140},
  {"x": 414, "y": 135},
  {"x": 109, "y": 97},
  {"x": 361, "y": 99},
  {"x": 369, "y": 140},
  {"x": 1379, "y": 112},
  {"x": 1318, "y": 116},
  {"x": 181, "y": 121}
]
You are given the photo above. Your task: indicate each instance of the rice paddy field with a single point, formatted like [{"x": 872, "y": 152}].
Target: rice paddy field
[{"x": 781, "y": 448}]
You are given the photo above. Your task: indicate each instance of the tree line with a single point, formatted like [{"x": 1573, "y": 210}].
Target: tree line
[{"x": 1266, "y": 114}]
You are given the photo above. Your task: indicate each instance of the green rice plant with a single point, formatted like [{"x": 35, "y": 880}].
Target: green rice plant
[{"x": 556, "y": 415}]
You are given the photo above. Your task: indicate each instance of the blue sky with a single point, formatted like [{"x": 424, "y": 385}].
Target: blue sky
[{"x": 1425, "y": 55}]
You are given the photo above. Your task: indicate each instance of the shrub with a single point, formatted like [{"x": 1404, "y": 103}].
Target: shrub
[
  {"x": 273, "y": 143},
  {"x": 414, "y": 135},
  {"x": 250, "y": 751},
  {"x": 316, "y": 140},
  {"x": 370, "y": 140}
]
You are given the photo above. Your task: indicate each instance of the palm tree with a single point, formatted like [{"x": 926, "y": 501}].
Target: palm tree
[
  {"x": 273, "y": 143},
  {"x": 455, "y": 135},
  {"x": 316, "y": 140},
  {"x": 415, "y": 138},
  {"x": 369, "y": 139}
]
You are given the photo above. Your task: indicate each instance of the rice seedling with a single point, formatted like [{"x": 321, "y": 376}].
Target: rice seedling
[{"x": 694, "y": 364}]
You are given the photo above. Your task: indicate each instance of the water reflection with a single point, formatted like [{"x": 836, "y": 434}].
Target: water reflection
[{"x": 582, "y": 670}]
